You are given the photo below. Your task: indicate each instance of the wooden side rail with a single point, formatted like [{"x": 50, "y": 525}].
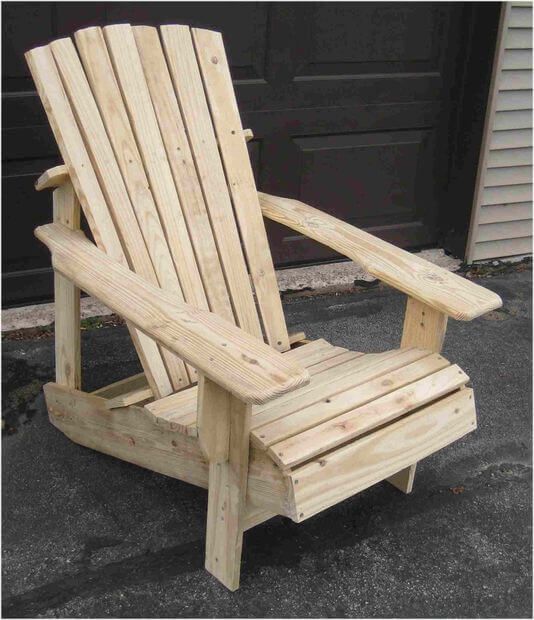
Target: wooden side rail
[
  {"x": 235, "y": 360},
  {"x": 439, "y": 289}
]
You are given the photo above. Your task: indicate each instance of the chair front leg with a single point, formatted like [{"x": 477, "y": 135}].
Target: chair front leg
[
  {"x": 224, "y": 429},
  {"x": 425, "y": 328}
]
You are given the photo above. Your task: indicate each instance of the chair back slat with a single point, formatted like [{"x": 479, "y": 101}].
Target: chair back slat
[
  {"x": 227, "y": 122},
  {"x": 76, "y": 157},
  {"x": 148, "y": 126},
  {"x": 188, "y": 86},
  {"x": 183, "y": 169},
  {"x": 110, "y": 177}
]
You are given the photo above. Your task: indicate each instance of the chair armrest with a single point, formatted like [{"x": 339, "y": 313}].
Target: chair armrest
[
  {"x": 53, "y": 177},
  {"x": 445, "y": 291},
  {"x": 235, "y": 360}
]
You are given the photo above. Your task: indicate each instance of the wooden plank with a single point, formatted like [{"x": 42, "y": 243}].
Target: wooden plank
[
  {"x": 514, "y": 100},
  {"x": 296, "y": 337},
  {"x": 129, "y": 71},
  {"x": 133, "y": 397},
  {"x": 511, "y": 175},
  {"x": 254, "y": 516},
  {"x": 504, "y": 230},
  {"x": 503, "y": 248},
  {"x": 404, "y": 479},
  {"x": 180, "y": 411},
  {"x": 241, "y": 363},
  {"x": 123, "y": 386},
  {"x": 518, "y": 38},
  {"x": 53, "y": 177},
  {"x": 490, "y": 214},
  {"x": 437, "y": 287},
  {"x": 507, "y": 194},
  {"x": 331, "y": 406},
  {"x": 227, "y": 491},
  {"x": 346, "y": 427},
  {"x": 510, "y": 157},
  {"x": 322, "y": 376},
  {"x": 517, "y": 59},
  {"x": 515, "y": 79},
  {"x": 188, "y": 420},
  {"x": 367, "y": 370},
  {"x": 109, "y": 175},
  {"x": 183, "y": 169},
  {"x": 188, "y": 86},
  {"x": 510, "y": 139},
  {"x": 82, "y": 175},
  {"x": 213, "y": 420},
  {"x": 67, "y": 298},
  {"x": 348, "y": 470},
  {"x": 227, "y": 123},
  {"x": 424, "y": 327},
  {"x": 100, "y": 73},
  {"x": 130, "y": 434}
]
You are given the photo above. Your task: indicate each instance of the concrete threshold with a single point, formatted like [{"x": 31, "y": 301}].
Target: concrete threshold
[{"x": 309, "y": 278}]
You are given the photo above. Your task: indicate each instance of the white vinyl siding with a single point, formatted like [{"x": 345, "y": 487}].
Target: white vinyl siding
[{"x": 501, "y": 222}]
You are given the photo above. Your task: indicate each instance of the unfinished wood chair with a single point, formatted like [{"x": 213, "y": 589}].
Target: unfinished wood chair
[{"x": 272, "y": 424}]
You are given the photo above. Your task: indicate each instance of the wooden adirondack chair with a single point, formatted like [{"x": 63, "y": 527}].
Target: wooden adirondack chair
[{"x": 272, "y": 424}]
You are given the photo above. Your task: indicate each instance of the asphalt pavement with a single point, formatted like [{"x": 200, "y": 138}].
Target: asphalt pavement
[{"x": 86, "y": 535}]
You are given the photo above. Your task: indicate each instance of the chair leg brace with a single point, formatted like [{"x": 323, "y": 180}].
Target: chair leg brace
[{"x": 224, "y": 429}]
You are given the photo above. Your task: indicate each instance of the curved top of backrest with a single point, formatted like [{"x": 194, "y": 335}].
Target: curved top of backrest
[{"x": 148, "y": 127}]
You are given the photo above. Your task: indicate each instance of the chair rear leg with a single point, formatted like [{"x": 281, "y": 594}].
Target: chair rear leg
[
  {"x": 67, "y": 298},
  {"x": 224, "y": 429}
]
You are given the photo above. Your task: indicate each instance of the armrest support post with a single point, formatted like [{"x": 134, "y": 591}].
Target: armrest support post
[
  {"x": 67, "y": 297},
  {"x": 424, "y": 327}
]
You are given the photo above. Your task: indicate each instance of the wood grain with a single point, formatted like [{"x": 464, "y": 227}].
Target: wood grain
[
  {"x": 67, "y": 298},
  {"x": 348, "y": 470},
  {"x": 444, "y": 291},
  {"x": 189, "y": 89},
  {"x": 242, "y": 364},
  {"x": 227, "y": 123},
  {"x": 82, "y": 174}
]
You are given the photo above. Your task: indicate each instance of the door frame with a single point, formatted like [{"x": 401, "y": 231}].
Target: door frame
[{"x": 479, "y": 30}]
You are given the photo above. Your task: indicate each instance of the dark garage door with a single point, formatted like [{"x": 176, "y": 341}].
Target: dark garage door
[{"x": 349, "y": 103}]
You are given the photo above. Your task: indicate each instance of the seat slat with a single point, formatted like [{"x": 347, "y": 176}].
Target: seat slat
[
  {"x": 183, "y": 169},
  {"x": 226, "y": 120},
  {"x": 338, "y": 379},
  {"x": 188, "y": 86},
  {"x": 180, "y": 408},
  {"x": 74, "y": 153},
  {"x": 332, "y": 405},
  {"x": 342, "y": 428}
]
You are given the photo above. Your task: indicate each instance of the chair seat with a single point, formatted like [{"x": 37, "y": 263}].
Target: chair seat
[{"x": 350, "y": 395}]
